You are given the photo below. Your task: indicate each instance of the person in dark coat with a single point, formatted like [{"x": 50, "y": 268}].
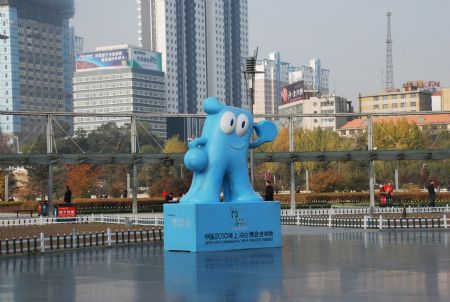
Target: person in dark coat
[
  {"x": 268, "y": 195},
  {"x": 431, "y": 194},
  {"x": 169, "y": 197},
  {"x": 68, "y": 195}
]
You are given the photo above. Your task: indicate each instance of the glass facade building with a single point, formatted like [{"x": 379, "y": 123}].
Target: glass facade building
[
  {"x": 203, "y": 45},
  {"x": 36, "y": 62}
]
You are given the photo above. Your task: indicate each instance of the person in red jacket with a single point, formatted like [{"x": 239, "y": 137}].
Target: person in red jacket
[{"x": 389, "y": 189}]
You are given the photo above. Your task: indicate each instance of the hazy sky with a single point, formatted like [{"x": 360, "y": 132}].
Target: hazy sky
[{"x": 347, "y": 35}]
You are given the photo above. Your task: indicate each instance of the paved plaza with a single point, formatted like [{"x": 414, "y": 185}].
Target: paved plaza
[{"x": 313, "y": 265}]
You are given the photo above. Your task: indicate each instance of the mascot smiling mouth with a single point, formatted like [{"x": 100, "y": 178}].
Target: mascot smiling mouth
[{"x": 238, "y": 147}]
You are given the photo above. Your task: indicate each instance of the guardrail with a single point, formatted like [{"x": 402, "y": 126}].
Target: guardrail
[
  {"x": 365, "y": 211},
  {"x": 42, "y": 244},
  {"x": 128, "y": 220},
  {"x": 367, "y": 222}
]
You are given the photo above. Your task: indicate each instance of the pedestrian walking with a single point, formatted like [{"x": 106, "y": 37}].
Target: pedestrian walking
[
  {"x": 68, "y": 195},
  {"x": 431, "y": 194},
  {"x": 268, "y": 195}
]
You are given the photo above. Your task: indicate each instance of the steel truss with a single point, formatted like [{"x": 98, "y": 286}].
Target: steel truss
[{"x": 14, "y": 159}]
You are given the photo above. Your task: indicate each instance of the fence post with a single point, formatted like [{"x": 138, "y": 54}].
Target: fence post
[
  {"x": 73, "y": 238},
  {"x": 380, "y": 222},
  {"x": 445, "y": 221},
  {"x": 108, "y": 232},
  {"x": 365, "y": 222},
  {"x": 329, "y": 220},
  {"x": 42, "y": 243},
  {"x": 297, "y": 219}
]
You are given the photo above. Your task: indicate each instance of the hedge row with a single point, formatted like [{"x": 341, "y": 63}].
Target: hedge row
[
  {"x": 360, "y": 198},
  {"x": 310, "y": 200},
  {"x": 100, "y": 205}
]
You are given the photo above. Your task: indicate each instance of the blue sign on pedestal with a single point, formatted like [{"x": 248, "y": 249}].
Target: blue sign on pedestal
[
  {"x": 223, "y": 226},
  {"x": 219, "y": 160}
]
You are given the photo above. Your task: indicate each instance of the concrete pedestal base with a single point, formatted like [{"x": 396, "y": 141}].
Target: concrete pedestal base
[{"x": 222, "y": 226}]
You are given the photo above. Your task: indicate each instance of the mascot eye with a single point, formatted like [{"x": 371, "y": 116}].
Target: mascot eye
[
  {"x": 242, "y": 124},
  {"x": 228, "y": 122}
]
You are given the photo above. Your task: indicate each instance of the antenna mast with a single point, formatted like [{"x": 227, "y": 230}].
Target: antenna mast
[{"x": 389, "y": 83}]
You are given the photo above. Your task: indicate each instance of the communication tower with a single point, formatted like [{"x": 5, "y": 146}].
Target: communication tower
[{"x": 389, "y": 83}]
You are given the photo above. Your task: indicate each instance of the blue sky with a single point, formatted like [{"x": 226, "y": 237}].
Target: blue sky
[{"x": 347, "y": 35}]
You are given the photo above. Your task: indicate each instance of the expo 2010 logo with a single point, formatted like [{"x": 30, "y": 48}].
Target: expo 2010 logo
[{"x": 238, "y": 222}]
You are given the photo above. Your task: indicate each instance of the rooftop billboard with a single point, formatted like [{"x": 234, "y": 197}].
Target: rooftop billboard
[
  {"x": 132, "y": 57},
  {"x": 145, "y": 59},
  {"x": 411, "y": 85},
  {"x": 99, "y": 59},
  {"x": 293, "y": 92}
]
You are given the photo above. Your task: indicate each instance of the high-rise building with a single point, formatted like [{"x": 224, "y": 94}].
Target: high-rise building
[
  {"x": 78, "y": 43},
  {"x": 315, "y": 78},
  {"x": 37, "y": 67},
  {"x": 203, "y": 43},
  {"x": 119, "y": 79},
  {"x": 275, "y": 77},
  {"x": 272, "y": 74}
]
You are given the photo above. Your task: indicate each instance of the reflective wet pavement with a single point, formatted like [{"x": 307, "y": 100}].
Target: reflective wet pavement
[{"x": 313, "y": 265}]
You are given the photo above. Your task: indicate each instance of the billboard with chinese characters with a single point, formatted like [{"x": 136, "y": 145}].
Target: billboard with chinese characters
[
  {"x": 420, "y": 84},
  {"x": 293, "y": 92},
  {"x": 145, "y": 59},
  {"x": 101, "y": 59}
]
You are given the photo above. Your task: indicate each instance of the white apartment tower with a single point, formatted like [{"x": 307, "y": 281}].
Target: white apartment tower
[
  {"x": 272, "y": 75},
  {"x": 203, "y": 43},
  {"x": 314, "y": 76}
]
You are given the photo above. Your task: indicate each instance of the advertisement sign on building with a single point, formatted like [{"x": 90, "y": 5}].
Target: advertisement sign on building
[
  {"x": 99, "y": 59},
  {"x": 414, "y": 85},
  {"x": 292, "y": 93},
  {"x": 145, "y": 59}
]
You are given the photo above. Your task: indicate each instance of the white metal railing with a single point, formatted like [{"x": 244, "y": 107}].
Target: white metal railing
[
  {"x": 112, "y": 219},
  {"x": 364, "y": 211},
  {"x": 368, "y": 222},
  {"x": 41, "y": 243}
]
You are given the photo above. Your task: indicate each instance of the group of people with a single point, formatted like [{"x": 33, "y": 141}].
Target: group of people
[{"x": 387, "y": 190}]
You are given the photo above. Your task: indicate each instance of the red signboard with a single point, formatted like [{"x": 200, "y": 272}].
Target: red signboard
[
  {"x": 292, "y": 93},
  {"x": 67, "y": 212}
]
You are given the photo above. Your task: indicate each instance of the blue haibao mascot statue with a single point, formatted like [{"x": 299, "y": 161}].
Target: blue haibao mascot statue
[{"x": 219, "y": 158}]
